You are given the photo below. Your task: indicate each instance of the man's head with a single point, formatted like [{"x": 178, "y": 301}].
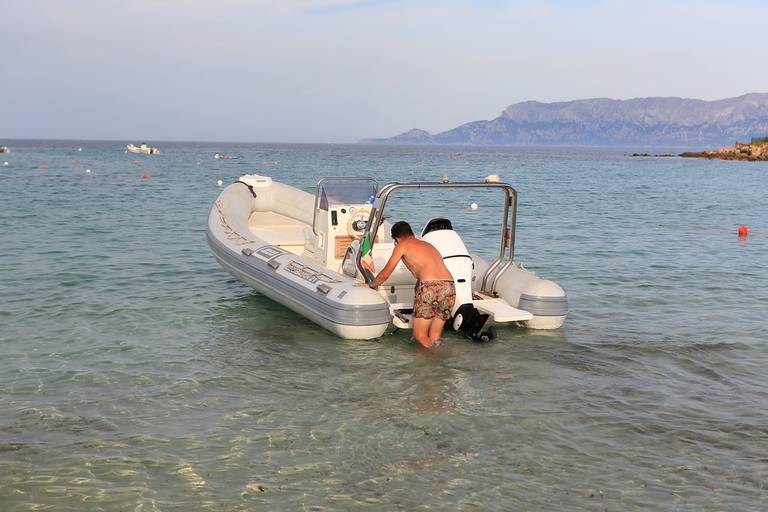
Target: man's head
[{"x": 401, "y": 230}]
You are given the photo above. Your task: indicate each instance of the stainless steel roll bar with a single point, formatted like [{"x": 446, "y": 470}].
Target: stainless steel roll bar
[
  {"x": 337, "y": 178},
  {"x": 506, "y": 248}
]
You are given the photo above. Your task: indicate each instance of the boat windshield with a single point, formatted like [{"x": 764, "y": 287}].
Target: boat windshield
[{"x": 345, "y": 193}]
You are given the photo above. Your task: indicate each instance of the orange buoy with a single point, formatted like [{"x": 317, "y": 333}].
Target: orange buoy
[
  {"x": 145, "y": 175},
  {"x": 743, "y": 231}
]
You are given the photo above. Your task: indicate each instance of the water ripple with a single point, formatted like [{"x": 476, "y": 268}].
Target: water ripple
[{"x": 137, "y": 375}]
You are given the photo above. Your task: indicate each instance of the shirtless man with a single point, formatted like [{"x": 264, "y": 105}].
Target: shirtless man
[{"x": 435, "y": 290}]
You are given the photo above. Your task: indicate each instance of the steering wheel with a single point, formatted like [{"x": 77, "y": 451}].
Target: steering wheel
[{"x": 359, "y": 220}]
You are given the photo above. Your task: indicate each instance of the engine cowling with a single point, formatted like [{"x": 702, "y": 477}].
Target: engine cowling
[
  {"x": 466, "y": 318},
  {"x": 440, "y": 234}
]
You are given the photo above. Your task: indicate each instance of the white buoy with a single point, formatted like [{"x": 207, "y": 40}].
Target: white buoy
[
  {"x": 474, "y": 206},
  {"x": 5, "y": 163},
  {"x": 87, "y": 170},
  {"x": 492, "y": 178},
  {"x": 79, "y": 149},
  {"x": 219, "y": 183}
]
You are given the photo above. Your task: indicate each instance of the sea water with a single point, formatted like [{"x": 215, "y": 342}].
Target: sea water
[{"x": 137, "y": 375}]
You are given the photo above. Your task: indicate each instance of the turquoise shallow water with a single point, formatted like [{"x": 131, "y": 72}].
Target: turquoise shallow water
[{"x": 137, "y": 375}]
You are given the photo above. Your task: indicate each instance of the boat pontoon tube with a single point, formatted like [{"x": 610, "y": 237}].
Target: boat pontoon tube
[{"x": 276, "y": 267}]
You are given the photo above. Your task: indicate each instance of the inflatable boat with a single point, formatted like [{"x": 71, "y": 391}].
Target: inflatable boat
[
  {"x": 316, "y": 254},
  {"x": 142, "y": 149}
]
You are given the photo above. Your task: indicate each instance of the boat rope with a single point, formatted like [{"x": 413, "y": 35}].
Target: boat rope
[
  {"x": 250, "y": 187},
  {"x": 229, "y": 230}
]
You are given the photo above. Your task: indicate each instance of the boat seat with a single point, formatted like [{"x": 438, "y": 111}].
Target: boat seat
[{"x": 277, "y": 229}]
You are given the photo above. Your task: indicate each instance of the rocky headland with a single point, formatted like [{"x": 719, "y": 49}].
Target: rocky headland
[
  {"x": 753, "y": 152},
  {"x": 646, "y": 122}
]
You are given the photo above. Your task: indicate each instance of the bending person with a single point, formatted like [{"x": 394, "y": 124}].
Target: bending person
[{"x": 435, "y": 290}]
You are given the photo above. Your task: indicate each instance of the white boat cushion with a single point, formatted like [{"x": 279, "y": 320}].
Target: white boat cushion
[{"x": 278, "y": 229}]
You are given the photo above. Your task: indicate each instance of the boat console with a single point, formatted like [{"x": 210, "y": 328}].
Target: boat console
[{"x": 342, "y": 208}]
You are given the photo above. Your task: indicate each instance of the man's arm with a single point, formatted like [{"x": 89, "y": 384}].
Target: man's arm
[{"x": 397, "y": 254}]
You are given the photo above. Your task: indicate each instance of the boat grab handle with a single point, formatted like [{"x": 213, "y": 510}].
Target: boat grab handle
[{"x": 506, "y": 247}]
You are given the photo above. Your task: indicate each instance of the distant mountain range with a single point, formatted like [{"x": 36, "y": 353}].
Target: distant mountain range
[{"x": 606, "y": 122}]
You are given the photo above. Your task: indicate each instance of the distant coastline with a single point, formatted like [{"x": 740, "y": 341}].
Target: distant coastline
[{"x": 644, "y": 122}]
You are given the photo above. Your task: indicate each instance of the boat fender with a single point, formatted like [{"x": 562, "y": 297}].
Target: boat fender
[{"x": 250, "y": 187}]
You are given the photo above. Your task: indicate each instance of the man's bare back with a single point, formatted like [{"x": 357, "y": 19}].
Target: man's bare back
[{"x": 423, "y": 260}]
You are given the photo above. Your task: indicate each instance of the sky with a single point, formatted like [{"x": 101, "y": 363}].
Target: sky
[{"x": 343, "y": 70}]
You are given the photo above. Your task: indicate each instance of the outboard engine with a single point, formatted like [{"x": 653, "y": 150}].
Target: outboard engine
[{"x": 466, "y": 318}]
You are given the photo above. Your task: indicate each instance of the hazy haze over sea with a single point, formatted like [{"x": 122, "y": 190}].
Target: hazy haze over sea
[{"x": 138, "y": 375}]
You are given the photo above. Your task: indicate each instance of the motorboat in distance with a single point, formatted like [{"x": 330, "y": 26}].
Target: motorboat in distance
[
  {"x": 143, "y": 149},
  {"x": 315, "y": 254},
  {"x": 4, "y": 149}
]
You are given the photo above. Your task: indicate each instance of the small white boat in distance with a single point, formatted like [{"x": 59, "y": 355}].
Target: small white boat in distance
[
  {"x": 143, "y": 149},
  {"x": 312, "y": 254},
  {"x": 4, "y": 149}
]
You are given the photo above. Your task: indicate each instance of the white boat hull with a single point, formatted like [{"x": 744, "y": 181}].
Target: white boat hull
[
  {"x": 331, "y": 300},
  {"x": 263, "y": 233},
  {"x": 142, "y": 150}
]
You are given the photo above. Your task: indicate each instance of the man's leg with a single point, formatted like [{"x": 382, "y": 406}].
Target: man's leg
[
  {"x": 421, "y": 331},
  {"x": 436, "y": 329}
]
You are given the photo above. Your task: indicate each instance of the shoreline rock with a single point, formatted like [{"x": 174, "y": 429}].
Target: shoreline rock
[{"x": 748, "y": 152}]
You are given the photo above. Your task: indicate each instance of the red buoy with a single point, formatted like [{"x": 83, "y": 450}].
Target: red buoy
[
  {"x": 743, "y": 231},
  {"x": 145, "y": 175}
]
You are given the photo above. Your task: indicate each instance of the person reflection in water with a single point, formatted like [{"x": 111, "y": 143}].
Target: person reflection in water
[{"x": 435, "y": 290}]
